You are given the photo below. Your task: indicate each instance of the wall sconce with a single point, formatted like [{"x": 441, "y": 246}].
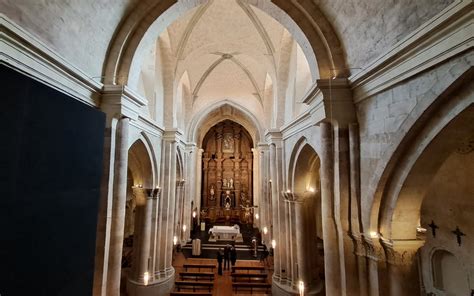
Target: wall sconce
[
  {"x": 311, "y": 189},
  {"x": 374, "y": 234},
  {"x": 257, "y": 216},
  {"x": 184, "y": 228},
  {"x": 265, "y": 230},
  {"x": 288, "y": 191},
  {"x": 420, "y": 229},
  {"x": 140, "y": 186},
  {"x": 301, "y": 287},
  {"x": 274, "y": 243},
  {"x": 146, "y": 278},
  {"x": 175, "y": 240},
  {"x": 270, "y": 180},
  {"x": 194, "y": 214}
]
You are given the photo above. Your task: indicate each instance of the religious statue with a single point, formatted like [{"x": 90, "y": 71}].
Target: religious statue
[
  {"x": 224, "y": 182},
  {"x": 231, "y": 183},
  {"x": 228, "y": 143},
  {"x": 227, "y": 205},
  {"x": 212, "y": 193}
]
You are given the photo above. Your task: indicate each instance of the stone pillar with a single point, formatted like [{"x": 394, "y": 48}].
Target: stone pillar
[
  {"x": 198, "y": 190},
  {"x": 332, "y": 267},
  {"x": 179, "y": 214},
  {"x": 402, "y": 271},
  {"x": 164, "y": 271},
  {"x": 371, "y": 254},
  {"x": 355, "y": 204},
  {"x": 142, "y": 233},
  {"x": 205, "y": 165},
  {"x": 119, "y": 196},
  {"x": 275, "y": 212}
]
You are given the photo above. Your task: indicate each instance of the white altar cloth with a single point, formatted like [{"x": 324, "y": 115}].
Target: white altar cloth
[{"x": 224, "y": 232}]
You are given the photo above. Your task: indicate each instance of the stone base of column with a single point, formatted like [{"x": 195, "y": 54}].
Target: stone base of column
[
  {"x": 279, "y": 289},
  {"x": 158, "y": 287}
]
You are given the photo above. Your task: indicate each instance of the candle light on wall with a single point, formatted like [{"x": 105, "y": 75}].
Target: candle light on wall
[
  {"x": 175, "y": 240},
  {"x": 265, "y": 230},
  {"x": 273, "y": 243},
  {"x": 301, "y": 288},
  {"x": 146, "y": 278},
  {"x": 194, "y": 214},
  {"x": 374, "y": 234},
  {"x": 257, "y": 216},
  {"x": 184, "y": 228}
]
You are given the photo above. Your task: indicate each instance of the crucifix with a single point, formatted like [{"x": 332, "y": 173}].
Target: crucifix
[
  {"x": 433, "y": 227},
  {"x": 458, "y": 234}
]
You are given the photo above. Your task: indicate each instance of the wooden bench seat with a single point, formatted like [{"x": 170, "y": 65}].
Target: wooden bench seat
[
  {"x": 193, "y": 285},
  {"x": 248, "y": 268},
  {"x": 191, "y": 293},
  {"x": 252, "y": 286},
  {"x": 197, "y": 275},
  {"x": 199, "y": 266},
  {"x": 250, "y": 276}
]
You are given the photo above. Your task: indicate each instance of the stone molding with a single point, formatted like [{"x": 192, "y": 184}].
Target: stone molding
[
  {"x": 328, "y": 100},
  {"x": 120, "y": 100},
  {"x": 26, "y": 53},
  {"x": 442, "y": 37}
]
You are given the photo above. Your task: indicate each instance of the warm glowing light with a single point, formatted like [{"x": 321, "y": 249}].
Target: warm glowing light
[
  {"x": 270, "y": 180},
  {"x": 194, "y": 214},
  {"x": 265, "y": 230},
  {"x": 288, "y": 191},
  {"x": 146, "y": 277},
  {"x": 374, "y": 234},
  {"x": 140, "y": 186},
  {"x": 301, "y": 287},
  {"x": 420, "y": 229},
  {"x": 157, "y": 187},
  {"x": 274, "y": 243},
  {"x": 257, "y": 216},
  {"x": 311, "y": 189},
  {"x": 175, "y": 240},
  {"x": 184, "y": 228}
]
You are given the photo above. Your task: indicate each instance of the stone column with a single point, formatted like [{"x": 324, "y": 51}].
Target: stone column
[
  {"x": 356, "y": 227},
  {"x": 164, "y": 270},
  {"x": 142, "y": 233},
  {"x": 118, "y": 207},
  {"x": 400, "y": 257},
  {"x": 332, "y": 268},
  {"x": 276, "y": 233},
  {"x": 198, "y": 190}
]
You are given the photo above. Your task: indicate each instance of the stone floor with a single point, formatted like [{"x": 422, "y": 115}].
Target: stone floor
[{"x": 222, "y": 283}]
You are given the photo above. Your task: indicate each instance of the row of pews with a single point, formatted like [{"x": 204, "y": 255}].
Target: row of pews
[
  {"x": 250, "y": 279},
  {"x": 198, "y": 279}
]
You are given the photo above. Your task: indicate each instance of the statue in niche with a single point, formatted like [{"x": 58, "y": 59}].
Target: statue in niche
[
  {"x": 211, "y": 192},
  {"x": 224, "y": 182},
  {"x": 227, "y": 200},
  {"x": 231, "y": 183},
  {"x": 228, "y": 143}
]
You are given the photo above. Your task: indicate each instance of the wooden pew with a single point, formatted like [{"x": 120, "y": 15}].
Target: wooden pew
[
  {"x": 199, "y": 266},
  {"x": 191, "y": 293},
  {"x": 193, "y": 285},
  {"x": 252, "y": 286},
  {"x": 250, "y": 276},
  {"x": 248, "y": 268},
  {"x": 197, "y": 275}
]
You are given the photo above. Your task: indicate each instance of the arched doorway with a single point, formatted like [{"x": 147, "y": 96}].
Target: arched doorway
[
  {"x": 227, "y": 174},
  {"x": 139, "y": 177},
  {"x": 304, "y": 203}
]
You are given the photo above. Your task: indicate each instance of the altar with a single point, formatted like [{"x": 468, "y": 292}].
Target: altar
[{"x": 225, "y": 233}]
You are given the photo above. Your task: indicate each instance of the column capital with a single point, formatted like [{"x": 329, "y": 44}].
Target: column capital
[
  {"x": 400, "y": 252},
  {"x": 180, "y": 183},
  {"x": 147, "y": 193},
  {"x": 120, "y": 101}
]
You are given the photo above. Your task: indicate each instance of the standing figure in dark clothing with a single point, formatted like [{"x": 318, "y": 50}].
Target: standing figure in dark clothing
[
  {"x": 226, "y": 257},
  {"x": 233, "y": 255},
  {"x": 219, "y": 262}
]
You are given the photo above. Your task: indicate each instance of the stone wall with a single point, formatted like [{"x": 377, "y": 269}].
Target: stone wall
[
  {"x": 369, "y": 28},
  {"x": 385, "y": 118}
]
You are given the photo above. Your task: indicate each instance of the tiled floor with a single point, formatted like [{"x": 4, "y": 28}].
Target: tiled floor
[{"x": 222, "y": 283}]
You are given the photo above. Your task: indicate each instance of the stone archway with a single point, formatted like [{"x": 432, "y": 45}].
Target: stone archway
[
  {"x": 136, "y": 247},
  {"x": 305, "y": 21},
  {"x": 424, "y": 154},
  {"x": 305, "y": 208}
]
